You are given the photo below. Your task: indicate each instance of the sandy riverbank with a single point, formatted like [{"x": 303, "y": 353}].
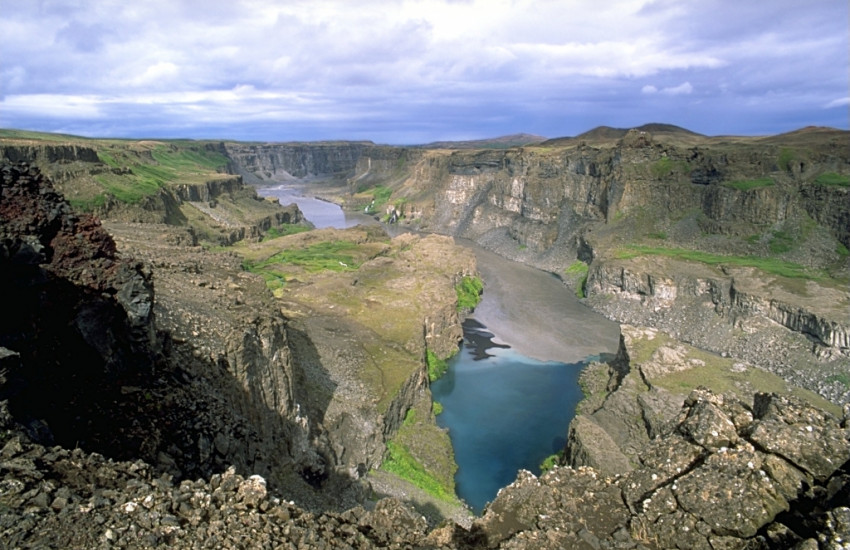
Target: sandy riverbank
[{"x": 533, "y": 312}]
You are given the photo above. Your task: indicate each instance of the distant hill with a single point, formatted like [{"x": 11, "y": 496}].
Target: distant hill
[
  {"x": 805, "y": 136},
  {"x": 503, "y": 142},
  {"x": 607, "y": 133}
]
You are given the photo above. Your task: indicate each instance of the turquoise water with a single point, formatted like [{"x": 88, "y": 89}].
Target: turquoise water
[{"x": 504, "y": 412}]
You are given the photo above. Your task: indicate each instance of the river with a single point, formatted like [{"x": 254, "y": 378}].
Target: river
[
  {"x": 319, "y": 212},
  {"x": 510, "y": 393}
]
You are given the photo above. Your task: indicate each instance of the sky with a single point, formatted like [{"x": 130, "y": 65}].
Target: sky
[{"x": 417, "y": 71}]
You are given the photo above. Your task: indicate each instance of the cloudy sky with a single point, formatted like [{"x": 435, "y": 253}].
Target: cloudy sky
[{"x": 414, "y": 71}]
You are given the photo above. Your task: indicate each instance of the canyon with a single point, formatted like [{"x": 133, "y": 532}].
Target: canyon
[{"x": 200, "y": 353}]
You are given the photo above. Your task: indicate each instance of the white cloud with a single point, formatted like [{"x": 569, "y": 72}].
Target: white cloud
[
  {"x": 683, "y": 88},
  {"x": 841, "y": 102}
]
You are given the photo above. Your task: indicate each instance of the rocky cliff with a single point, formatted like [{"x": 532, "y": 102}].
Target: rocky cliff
[
  {"x": 210, "y": 373},
  {"x": 284, "y": 161},
  {"x": 606, "y": 201},
  {"x": 191, "y": 381},
  {"x": 186, "y": 184}
]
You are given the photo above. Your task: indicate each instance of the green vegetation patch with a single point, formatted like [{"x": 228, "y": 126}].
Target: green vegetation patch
[
  {"x": 88, "y": 204},
  {"x": 400, "y": 462},
  {"x": 578, "y": 271},
  {"x": 773, "y": 266},
  {"x": 141, "y": 169},
  {"x": 785, "y": 158},
  {"x": 469, "y": 291},
  {"x": 436, "y": 367},
  {"x": 421, "y": 453},
  {"x": 551, "y": 461},
  {"x": 126, "y": 188},
  {"x": 781, "y": 242},
  {"x": 321, "y": 256},
  {"x": 666, "y": 166},
  {"x": 833, "y": 179},
  {"x": 373, "y": 198},
  {"x": 843, "y": 379},
  {"x": 746, "y": 185}
]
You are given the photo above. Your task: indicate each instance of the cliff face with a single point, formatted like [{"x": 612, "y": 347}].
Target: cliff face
[
  {"x": 84, "y": 316},
  {"x": 592, "y": 200},
  {"x": 280, "y": 161},
  {"x": 548, "y": 194},
  {"x": 192, "y": 381},
  {"x": 798, "y": 331}
]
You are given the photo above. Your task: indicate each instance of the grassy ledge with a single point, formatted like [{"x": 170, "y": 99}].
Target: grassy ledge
[
  {"x": 833, "y": 179},
  {"x": 746, "y": 185},
  {"x": 772, "y": 266},
  {"x": 400, "y": 462}
]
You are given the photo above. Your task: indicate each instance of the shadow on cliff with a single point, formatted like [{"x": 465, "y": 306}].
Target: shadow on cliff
[
  {"x": 81, "y": 364},
  {"x": 314, "y": 386}
]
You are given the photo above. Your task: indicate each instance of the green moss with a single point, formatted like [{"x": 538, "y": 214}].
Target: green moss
[
  {"x": 469, "y": 291},
  {"x": 843, "y": 379},
  {"x": 437, "y": 408},
  {"x": 746, "y": 185},
  {"x": 436, "y": 367},
  {"x": 551, "y": 461},
  {"x": 834, "y": 179},
  {"x": 773, "y": 266},
  {"x": 578, "y": 270},
  {"x": 128, "y": 189},
  {"x": 781, "y": 242},
  {"x": 400, "y": 462},
  {"x": 666, "y": 166},
  {"x": 88, "y": 205},
  {"x": 786, "y": 157},
  {"x": 322, "y": 256}
]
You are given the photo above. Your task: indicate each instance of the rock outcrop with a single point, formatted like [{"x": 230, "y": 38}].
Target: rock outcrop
[
  {"x": 191, "y": 381},
  {"x": 774, "y": 475},
  {"x": 798, "y": 329},
  {"x": 83, "y": 317}
]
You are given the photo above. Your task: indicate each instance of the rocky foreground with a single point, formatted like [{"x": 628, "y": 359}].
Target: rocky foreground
[{"x": 724, "y": 476}]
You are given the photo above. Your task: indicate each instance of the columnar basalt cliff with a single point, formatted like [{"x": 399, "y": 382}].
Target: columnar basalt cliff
[{"x": 282, "y": 161}]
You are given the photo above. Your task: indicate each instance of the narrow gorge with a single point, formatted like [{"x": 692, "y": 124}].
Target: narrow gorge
[{"x": 202, "y": 366}]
